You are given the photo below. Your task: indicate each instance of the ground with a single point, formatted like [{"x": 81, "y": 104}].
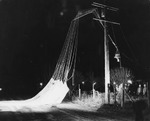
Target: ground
[{"x": 67, "y": 112}]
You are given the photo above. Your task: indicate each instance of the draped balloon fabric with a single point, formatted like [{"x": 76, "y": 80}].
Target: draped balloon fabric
[{"x": 56, "y": 89}]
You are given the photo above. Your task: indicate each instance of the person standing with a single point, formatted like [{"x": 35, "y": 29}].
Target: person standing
[
  {"x": 144, "y": 90},
  {"x": 139, "y": 90}
]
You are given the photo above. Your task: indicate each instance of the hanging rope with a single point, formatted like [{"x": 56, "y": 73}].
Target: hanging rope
[
  {"x": 67, "y": 55},
  {"x": 69, "y": 51},
  {"x": 74, "y": 57}
]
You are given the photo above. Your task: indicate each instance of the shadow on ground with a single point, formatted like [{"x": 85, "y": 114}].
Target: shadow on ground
[{"x": 66, "y": 113}]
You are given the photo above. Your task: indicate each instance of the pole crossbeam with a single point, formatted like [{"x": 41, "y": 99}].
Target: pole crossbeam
[
  {"x": 112, "y": 22},
  {"x": 104, "y": 6}
]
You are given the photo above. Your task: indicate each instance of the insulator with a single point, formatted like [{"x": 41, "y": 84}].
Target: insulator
[{"x": 103, "y": 13}]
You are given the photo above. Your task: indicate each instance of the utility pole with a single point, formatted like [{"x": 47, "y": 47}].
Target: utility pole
[
  {"x": 79, "y": 91},
  {"x": 104, "y": 22},
  {"x": 106, "y": 57}
]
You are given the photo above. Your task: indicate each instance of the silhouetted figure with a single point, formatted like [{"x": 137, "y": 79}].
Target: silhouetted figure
[
  {"x": 139, "y": 90},
  {"x": 138, "y": 107},
  {"x": 144, "y": 90}
]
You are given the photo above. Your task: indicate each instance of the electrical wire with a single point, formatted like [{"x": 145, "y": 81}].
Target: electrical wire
[{"x": 127, "y": 43}]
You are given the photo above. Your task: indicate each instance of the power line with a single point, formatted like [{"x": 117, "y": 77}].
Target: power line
[{"x": 128, "y": 44}]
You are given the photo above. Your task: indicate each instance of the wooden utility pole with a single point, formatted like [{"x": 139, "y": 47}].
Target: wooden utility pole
[
  {"x": 104, "y": 22},
  {"x": 106, "y": 56}
]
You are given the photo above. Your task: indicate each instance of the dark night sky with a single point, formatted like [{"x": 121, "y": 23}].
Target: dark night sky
[{"x": 32, "y": 33}]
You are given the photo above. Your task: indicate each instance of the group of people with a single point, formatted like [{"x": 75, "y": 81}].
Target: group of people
[
  {"x": 141, "y": 90},
  {"x": 140, "y": 105}
]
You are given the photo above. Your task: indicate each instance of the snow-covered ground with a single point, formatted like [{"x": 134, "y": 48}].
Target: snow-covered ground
[{"x": 63, "y": 112}]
